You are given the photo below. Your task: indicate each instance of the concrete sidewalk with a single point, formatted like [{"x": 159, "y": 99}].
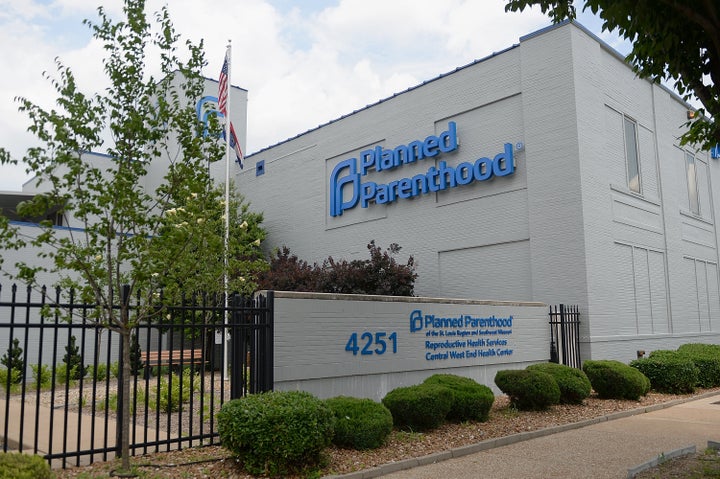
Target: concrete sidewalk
[
  {"x": 605, "y": 447},
  {"x": 80, "y": 433}
]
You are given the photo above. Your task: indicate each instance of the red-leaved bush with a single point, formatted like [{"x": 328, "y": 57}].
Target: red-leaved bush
[{"x": 381, "y": 274}]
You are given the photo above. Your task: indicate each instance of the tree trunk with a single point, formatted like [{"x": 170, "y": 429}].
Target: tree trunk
[{"x": 124, "y": 392}]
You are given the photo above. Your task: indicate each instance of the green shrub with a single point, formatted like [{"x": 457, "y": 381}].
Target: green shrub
[
  {"x": 23, "y": 466},
  {"x": 174, "y": 391},
  {"x": 573, "y": 383},
  {"x": 360, "y": 423},
  {"x": 115, "y": 369},
  {"x": 419, "y": 408},
  {"x": 669, "y": 373},
  {"x": 61, "y": 374},
  {"x": 41, "y": 375},
  {"x": 707, "y": 359},
  {"x": 15, "y": 379},
  {"x": 100, "y": 371},
  {"x": 276, "y": 433},
  {"x": 528, "y": 390},
  {"x": 616, "y": 380},
  {"x": 471, "y": 401}
]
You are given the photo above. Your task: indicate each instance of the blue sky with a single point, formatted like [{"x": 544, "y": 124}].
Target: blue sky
[{"x": 303, "y": 62}]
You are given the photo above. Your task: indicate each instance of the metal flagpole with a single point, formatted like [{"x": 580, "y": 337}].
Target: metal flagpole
[{"x": 226, "y": 333}]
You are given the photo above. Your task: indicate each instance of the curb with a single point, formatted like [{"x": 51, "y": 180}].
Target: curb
[
  {"x": 634, "y": 471},
  {"x": 507, "y": 440}
]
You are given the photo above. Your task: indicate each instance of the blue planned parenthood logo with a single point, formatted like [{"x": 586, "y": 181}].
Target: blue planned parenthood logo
[
  {"x": 347, "y": 189},
  {"x": 420, "y": 321}
]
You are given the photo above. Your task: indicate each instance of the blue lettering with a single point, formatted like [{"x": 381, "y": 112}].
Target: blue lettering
[
  {"x": 419, "y": 185},
  {"x": 446, "y": 173},
  {"x": 482, "y": 169},
  {"x": 416, "y": 321},
  {"x": 337, "y": 205},
  {"x": 367, "y": 161},
  {"x": 431, "y": 146},
  {"x": 368, "y": 192},
  {"x": 404, "y": 188},
  {"x": 386, "y": 159},
  {"x": 382, "y": 196},
  {"x": 448, "y": 139},
  {"x": 345, "y": 176},
  {"x": 504, "y": 163},
  {"x": 464, "y": 174}
]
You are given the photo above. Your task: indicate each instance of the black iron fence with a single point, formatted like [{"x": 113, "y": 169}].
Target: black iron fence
[
  {"x": 565, "y": 335},
  {"x": 60, "y": 371}
]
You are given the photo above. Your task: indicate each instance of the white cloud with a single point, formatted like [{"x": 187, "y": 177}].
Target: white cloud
[{"x": 303, "y": 64}]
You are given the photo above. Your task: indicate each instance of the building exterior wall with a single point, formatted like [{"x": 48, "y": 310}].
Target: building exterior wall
[{"x": 566, "y": 227}]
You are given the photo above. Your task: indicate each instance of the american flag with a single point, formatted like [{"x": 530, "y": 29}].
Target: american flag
[
  {"x": 223, "y": 86},
  {"x": 222, "y": 106}
]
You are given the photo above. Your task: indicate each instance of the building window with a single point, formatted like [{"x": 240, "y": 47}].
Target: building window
[
  {"x": 692, "y": 184},
  {"x": 631, "y": 155}
]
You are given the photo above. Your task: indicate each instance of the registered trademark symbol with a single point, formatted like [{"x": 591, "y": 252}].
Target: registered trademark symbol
[{"x": 519, "y": 146}]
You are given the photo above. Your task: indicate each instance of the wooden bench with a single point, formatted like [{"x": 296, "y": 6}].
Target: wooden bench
[{"x": 176, "y": 358}]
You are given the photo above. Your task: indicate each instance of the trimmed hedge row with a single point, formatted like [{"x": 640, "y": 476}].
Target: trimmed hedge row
[
  {"x": 574, "y": 384},
  {"x": 616, "y": 380},
  {"x": 278, "y": 432},
  {"x": 669, "y": 373},
  {"x": 471, "y": 400},
  {"x": 540, "y": 386},
  {"x": 528, "y": 390},
  {"x": 707, "y": 359},
  {"x": 442, "y": 397},
  {"x": 360, "y": 423},
  {"x": 679, "y": 372}
]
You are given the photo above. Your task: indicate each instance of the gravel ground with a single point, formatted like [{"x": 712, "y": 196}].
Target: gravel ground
[
  {"x": 205, "y": 403},
  {"x": 215, "y": 462},
  {"x": 705, "y": 464}
]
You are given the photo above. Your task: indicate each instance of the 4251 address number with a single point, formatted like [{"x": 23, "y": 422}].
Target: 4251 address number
[{"x": 368, "y": 343}]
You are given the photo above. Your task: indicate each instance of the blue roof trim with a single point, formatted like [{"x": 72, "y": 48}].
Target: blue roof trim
[
  {"x": 366, "y": 107},
  {"x": 37, "y": 225}
]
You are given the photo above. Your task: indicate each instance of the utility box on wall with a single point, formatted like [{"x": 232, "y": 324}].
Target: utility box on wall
[{"x": 365, "y": 346}]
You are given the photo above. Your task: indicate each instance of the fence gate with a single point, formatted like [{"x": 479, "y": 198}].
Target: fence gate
[
  {"x": 252, "y": 345},
  {"x": 565, "y": 335},
  {"x": 59, "y": 372}
]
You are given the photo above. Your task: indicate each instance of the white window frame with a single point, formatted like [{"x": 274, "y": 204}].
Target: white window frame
[
  {"x": 636, "y": 146},
  {"x": 691, "y": 182}
]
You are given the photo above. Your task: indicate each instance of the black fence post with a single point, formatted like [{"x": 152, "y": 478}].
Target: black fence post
[
  {"x": 268, "y": 346},
  {"x": 565, "y": 335},
  {"x": 237, "y": 362}
]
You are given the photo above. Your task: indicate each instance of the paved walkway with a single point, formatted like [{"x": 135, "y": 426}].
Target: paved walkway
[
  {"x": 601, "y": 448},
  {"x": 81, "y": 433}
]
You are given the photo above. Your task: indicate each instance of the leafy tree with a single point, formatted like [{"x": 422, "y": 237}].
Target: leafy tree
[
  {"x": 673, "y": 40},
  {"x": 133, "y": 239}
]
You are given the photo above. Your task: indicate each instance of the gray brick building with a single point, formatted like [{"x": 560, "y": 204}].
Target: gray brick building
[{"x": 545, "y": 172}]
